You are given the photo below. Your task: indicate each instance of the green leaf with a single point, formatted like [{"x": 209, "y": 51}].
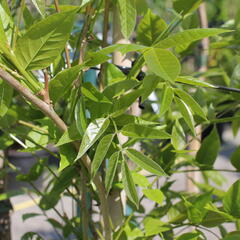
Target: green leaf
[
  {"x": 35, "y": 172},
  {"x": 100, "y": 153},
  {"x": 70, "y": 135},
  {"x": 6, "y": 93},
  {"x": 27, "y": 18},
  {"x": 191, "y": 103},
  {"x": 155, "y": 195},
  {"x": 121, "y": 105},
  {"x": 9, "y": 194},
  {"x": 111, "y": 170},
  {"x": 44, "y": 41},
  {"x": 153, "y": 226},
  {"x": 67, "y": 155},
  {"x": 40, "y": 6},
  {"x": 186, "y": 113},
  {"x": 89, "y": 91},
  {"x": 186, "y": 6},
  {"x": 7, "y": 22},
  {"x": 128, "y": 16},
  {"x": 128, "y": 184},
  {"x": 80, "y": 116},
  {"x": 140, "y": 180},
  {"x": 231, "y": 200},
  {"x": 119, "y": 88},
  {"x": 178, "y": 138},
  {"x": 209, "y": 149},
  {"x": 193, "y": 81},
  {"x": 141, "y": 131},
  {"x": 62, "y": 82},
  {"x": 149, "y": 84},
  {"x": 186, "y": 37},
  {"x": 3, "y": 38},
  {"x": 145, "y": 162},
  {"x": 149, "y": 28},
  {"x": 232, "y": 236},
  {"x": 189, "y": 236},
  {"x": 166, "y": 100},
  {"x": 235, "y": 159},
  {"x": 163, "y": 63},
  {"x": 31, "y": 236},
  {"x": 29, "y": 215},
  {"x": 93, "y": 132}
]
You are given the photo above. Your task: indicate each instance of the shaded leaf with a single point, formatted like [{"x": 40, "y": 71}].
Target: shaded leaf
[
  {"x": 40, "y": 6},
  {"x": 29, "y": 215},
  {"x": 209, "y": 149},
  {"x": 128, "y": 184},
  {"x": 6, "y": 93},
  {"x": 235, "y": 159},
  {"x": 178, "y": 138},
  {"x": 186, "y": 6},
  {"x": 100, "y": 153},
  {"x": 111, "y": 170}
]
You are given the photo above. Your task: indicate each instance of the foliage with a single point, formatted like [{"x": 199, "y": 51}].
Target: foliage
[{"x": 62, "y": 45}]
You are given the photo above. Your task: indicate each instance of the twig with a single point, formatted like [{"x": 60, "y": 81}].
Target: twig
[{"x": 46, "y": 97}]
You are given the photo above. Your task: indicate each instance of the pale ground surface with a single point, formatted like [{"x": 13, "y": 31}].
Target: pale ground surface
[{"x": 23, "y": 204}]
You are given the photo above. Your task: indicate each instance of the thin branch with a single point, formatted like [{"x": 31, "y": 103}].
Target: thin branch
[
  {"x": 48, "y": 111},
  {"x": 46, "y": 97}
]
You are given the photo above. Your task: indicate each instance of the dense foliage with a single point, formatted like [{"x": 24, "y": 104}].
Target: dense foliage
[{"x": 59, "y": 87}]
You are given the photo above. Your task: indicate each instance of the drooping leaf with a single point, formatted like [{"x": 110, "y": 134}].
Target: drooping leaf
[
  {"x": 128, "y": 16},
  {"x": 111, "y": 170},
  {"x": 188, "y": 36},
  {"x": 178, "y": 138},
  {"x": 166, "y": 100},
  {"x": 141, "y": 131},
  {"x": 6, "y": 92},
  {"x": 128, "y": 184},
  {"x": 155, "y": 195},
  {"x": 62, "y": 82},
  {"x": 186, "y": 113},
  {"x": 209, "y": 149},
  {"x": 163, "y": 63},
  {"x": 150, "y": 27},
  {"x": 186, "y": 6},
  {"x": 192, "y": 104},
  {"x": 235, "y": 159},
  {"x": 93, "y": 132},
  {"x": 29, "y": 215},
  {"x": 100, "y": 153},
  {"x": 44, "y": 41},
  {"x": 80, "y": 116},
  {"x": 193, "y": 81},
  {"x": 145, "y": 162},
  {"x": 231, "y": 200}
]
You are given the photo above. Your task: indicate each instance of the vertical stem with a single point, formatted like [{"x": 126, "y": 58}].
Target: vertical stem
[
  {"x": 196, "y": 143},
  {"x": 84, "y": 207},
  {"x": 104, "y": 43},
  {"x": 56, "y": 4},
  {"x": 46, "y": 97}
]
